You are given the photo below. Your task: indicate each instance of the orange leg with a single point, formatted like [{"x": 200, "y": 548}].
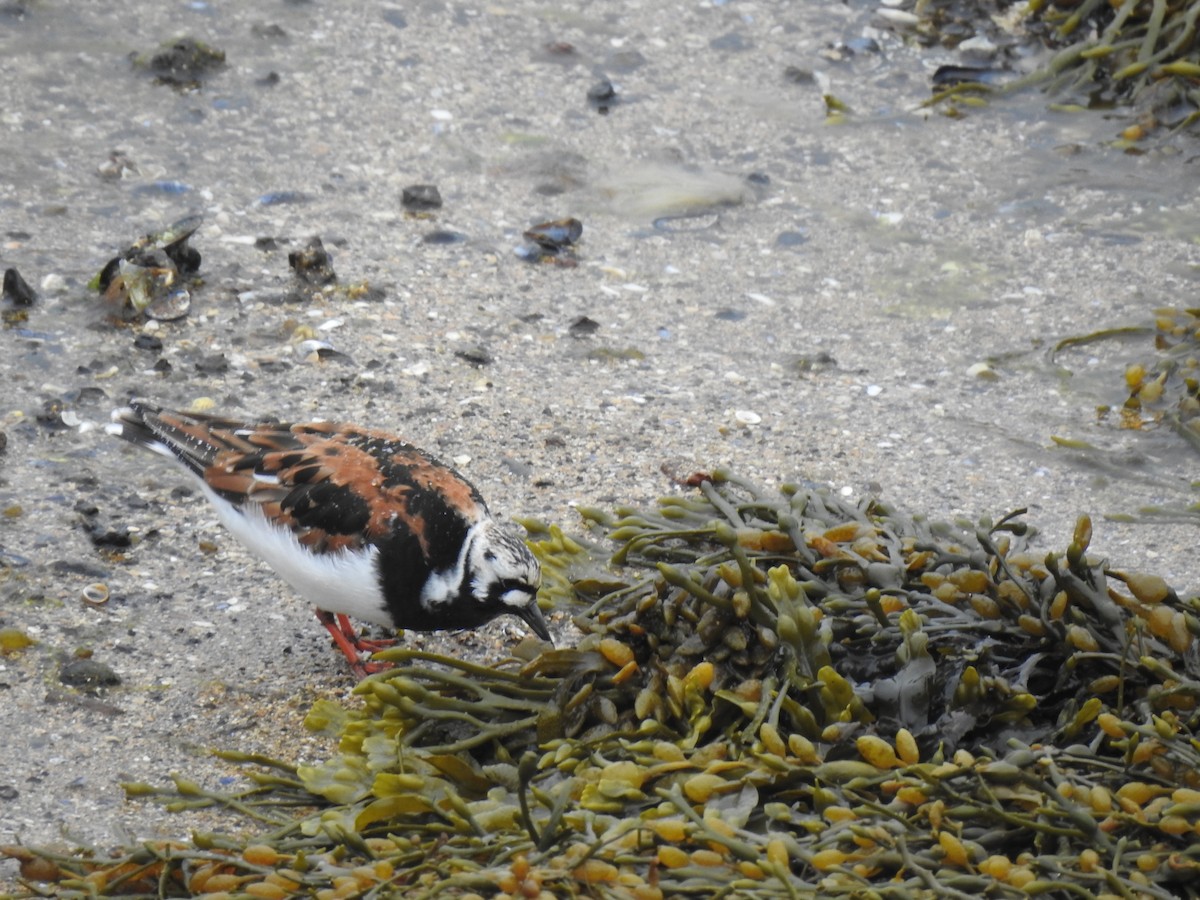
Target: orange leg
[{"x": 353, "y": 646}]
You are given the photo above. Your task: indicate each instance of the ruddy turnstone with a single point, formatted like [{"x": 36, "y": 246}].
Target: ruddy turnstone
[{"x": 358, "y": 521}]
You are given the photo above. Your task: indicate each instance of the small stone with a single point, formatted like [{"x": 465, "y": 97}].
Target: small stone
[
  {"x": 87, "y": 673},
  {"x": 148, "y": 342},
  {"x": 746, "y": 417},
  {"x": 53, "y": 284},
  {"x": 583, "y": 326},
  {"x": 16, "y": 291},
  {"x": 602, "y": 96},
  {"x": 420, "y": 197},
  {"x": 797, "y": 75},
  {"x": 475, "y": 355},
  {"x": 182, "y": 63},
  {"x": 312, "y": 264},
  {"x": 441, "y": 237},
  {"x": 215, "y": 364},
  {"x": 601, "y": 92},
  {"x": 983, "y": 371}
]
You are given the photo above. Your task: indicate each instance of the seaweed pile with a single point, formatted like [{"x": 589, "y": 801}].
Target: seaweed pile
[
  {"x": 1145, "y": 53},
  {"x": 777, "y": 694},
  {"x": 1163, "y": 391},
  {"x": 1167, "y": 391},
  {"x": 1142, "y": 53}
]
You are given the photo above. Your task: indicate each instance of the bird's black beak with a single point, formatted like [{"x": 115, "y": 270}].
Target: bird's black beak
[{"x": 534, "y": 619}]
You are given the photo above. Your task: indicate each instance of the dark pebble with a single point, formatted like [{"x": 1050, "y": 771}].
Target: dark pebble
[
  {"x": 949, "y": 76},
  {"x": 50, "y": 415},
  {"x": 16, "y": 290},
  {"x": 730, "y": 315},
  {"x": 421, "y": 197},
  {"x": 444, "y": 237},
  {"x": 78, "y": 567},
  {"x": 602, "y": 91},
  {"x": 797, "y": 75},
  {"x": 475, "y": 355},
  {"x": 186, "y": 54},
  {"x": 148, "y": 342},
  {"x": 813, "y": 362},
  {"x": 312, "y": 264},
  {"x": 583, "y": 326},
  {"x": 790, "y": 239},
  {"x": 8, "y": 792},
  {"x": 216, "y": 364},
  {"x": 268, "y": 32},
  {"x": 113, "y": 538},
  {"x": 87, "y": 673},
  {"x": 184, "y": 62},
  {"x": 602, "y": 95},
  {"x": 395, "y": 18},
  {"x": 732, "y": 42}
]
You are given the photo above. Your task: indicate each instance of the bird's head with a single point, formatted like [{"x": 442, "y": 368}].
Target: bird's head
[{"x": 504, "y": 575}]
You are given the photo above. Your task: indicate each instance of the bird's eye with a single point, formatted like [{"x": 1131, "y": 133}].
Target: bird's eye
[{"x": 489, "y": 555}]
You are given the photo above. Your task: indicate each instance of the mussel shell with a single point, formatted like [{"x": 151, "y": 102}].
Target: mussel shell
[
  {"x": 555, "y": 235},
  {"x": 170, "y": 307}
]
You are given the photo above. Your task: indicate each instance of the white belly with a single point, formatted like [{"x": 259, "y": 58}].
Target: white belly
[{"x": 342, "y": 582}]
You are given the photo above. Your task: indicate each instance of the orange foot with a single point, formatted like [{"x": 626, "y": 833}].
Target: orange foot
[{"x": 353, "y": 646}]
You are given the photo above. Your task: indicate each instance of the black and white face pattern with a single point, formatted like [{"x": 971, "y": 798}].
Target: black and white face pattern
[{"x": 504, "y": 575}]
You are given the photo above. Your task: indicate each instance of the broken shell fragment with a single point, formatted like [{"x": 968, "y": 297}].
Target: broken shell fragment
[{"x": 95, "y": 594}]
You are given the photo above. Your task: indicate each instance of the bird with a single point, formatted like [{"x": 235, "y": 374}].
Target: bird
[{"x": 358, "y": 521}]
